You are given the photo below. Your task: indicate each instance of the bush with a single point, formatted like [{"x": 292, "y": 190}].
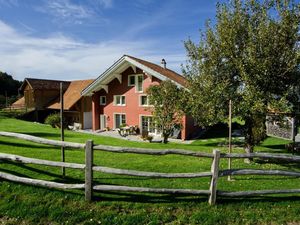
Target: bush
[
  {"x": 53, "y": 120},
  {"x": 12, "y": 113}
]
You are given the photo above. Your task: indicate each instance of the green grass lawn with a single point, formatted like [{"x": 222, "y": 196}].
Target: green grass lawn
[{"x": 25, "y": 204}]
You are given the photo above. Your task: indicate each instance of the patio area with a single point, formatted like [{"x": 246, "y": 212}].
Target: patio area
[{"x": 137, "y": 138}]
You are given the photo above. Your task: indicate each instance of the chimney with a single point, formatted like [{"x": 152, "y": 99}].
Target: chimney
[{"x": 163, "y": 63}]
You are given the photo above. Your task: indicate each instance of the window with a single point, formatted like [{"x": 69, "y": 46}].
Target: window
[
  {"x": 148, "y": 124},
  {"x": 131, "y": 80},
  {"x": 137, "y": 81},
  {"x": 139, "y": 85},
  {"x": 119, "y": 100},
  {"x": 120, "y": 119},
  {"x": 102, "y": 100},
  {"x": 144, "y": 101}
]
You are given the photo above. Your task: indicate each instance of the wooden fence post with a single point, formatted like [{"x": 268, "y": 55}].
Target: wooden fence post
[
  {"x": 214, "y": 177},
  {"x": 89, "y": 170}
]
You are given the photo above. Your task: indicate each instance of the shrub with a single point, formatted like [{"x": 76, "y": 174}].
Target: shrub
[
  {"x": 53, "y": 120},
  {"x": 123, "y": 125},
  {"x": 13, "y": 113}
]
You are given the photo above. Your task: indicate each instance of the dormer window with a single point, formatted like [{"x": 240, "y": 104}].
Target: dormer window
[
  {"x": 137, "y": 81},
  {"x": 139, "y": 85}
]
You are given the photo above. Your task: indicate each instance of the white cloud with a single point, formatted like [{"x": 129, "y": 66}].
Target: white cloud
[
  {"x": 68, "y": 12},
  {"x": 61, "y": 57},
  {"x": 105, "y": 3},
  {"x": 71, "y": 12}
]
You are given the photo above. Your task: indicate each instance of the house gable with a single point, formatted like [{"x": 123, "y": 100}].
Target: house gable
[{"x": 135, "y": 64}]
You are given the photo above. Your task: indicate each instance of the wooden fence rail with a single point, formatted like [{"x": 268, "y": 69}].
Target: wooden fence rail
[{"x": 89, "y": 167}]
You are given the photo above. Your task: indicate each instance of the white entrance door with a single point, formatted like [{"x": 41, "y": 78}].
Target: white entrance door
[
  {"x": 103, "y": 121},
  {"x": 87, "y": 120}
]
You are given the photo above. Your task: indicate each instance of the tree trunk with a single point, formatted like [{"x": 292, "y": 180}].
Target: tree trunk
[{"x": 165, "y": 138}]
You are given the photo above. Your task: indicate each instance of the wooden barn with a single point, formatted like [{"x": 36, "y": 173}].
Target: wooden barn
[
  {"x": 77, "y": 108},
  {"x": 38, "y": 94}
]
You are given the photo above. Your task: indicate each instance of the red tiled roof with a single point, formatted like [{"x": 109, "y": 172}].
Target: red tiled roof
[
  {"x": 166, "y": 72},
  {"x": 72, "y": 94}
]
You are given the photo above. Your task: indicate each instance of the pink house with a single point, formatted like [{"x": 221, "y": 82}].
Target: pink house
[{"x": 119, "y": 95}]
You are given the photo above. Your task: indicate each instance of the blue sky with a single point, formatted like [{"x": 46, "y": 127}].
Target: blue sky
[{"x": 79, "y": 39}]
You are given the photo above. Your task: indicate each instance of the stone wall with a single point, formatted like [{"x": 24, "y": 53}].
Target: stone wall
[{"x": 275, "y": 130}]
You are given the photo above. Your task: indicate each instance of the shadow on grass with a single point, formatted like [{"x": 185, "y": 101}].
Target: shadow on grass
[
  {"x": 167, "y": 198},
  {"x": 13, "y": 173},
  {"x": 146, "y": 198},
  {"x": 274, "y": 151},
  {"x": 290, "y": 165},
  {"x": 58, "y": 177},
  {"x": 43, "y": 134},
  {"x": 23, "y": 145},
  {"x": 281, "y": 147},
  {"x": 257, "y": 199},
  {"x": 265, "y": 178}
]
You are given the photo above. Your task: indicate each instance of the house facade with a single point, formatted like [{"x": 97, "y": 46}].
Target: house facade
[{"x": 119, "y": 96}]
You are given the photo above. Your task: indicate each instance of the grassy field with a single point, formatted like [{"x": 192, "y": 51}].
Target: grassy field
[{"x": 24, "y": 204}]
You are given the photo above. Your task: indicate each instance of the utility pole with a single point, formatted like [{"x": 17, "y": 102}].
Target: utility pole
[
  {"x": 229, "y": 138},
  {"x": 62, "y": 134}
]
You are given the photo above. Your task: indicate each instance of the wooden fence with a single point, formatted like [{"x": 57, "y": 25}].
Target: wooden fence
[{"x": 89, "y": 167}]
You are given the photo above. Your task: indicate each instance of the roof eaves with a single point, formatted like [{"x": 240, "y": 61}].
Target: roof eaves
[
  {"x": 150, "y": 71},
  {"x": 24, "y": 83},
  {"x": 89, "y": 89}
]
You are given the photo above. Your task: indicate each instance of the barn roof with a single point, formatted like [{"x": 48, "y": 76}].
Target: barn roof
[
  {"x": 71, "y": 95},
  {"x": 19, "y": 104},
  {"x": 44, "y": 84}
]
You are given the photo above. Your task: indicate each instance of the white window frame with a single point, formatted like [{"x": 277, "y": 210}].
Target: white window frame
[
  {"x": 156, "y": 132},
  {"x": 137, "y": 81},
  {"x": 121, "y": 104},
  {"x": 100, "y": 99},
  {"x": 121, "y": 118},
  {"x": 131, "y": 85},
  {"x": 140, "y": 101}
]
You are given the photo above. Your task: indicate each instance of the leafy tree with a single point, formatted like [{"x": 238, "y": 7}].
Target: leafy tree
[
  {"x": 167, "y": 110},
  {"x": 251, "y": 56},
  {"x": 8, "y": 84},
  {"x": 8, "y": 88}
]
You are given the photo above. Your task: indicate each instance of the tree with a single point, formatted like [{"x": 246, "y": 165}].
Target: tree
[
  {"x": 167, "y": 111},
  {"x": 8, "y": 89},
  {"x": 8, "y": 85},
  {"x": 251, "y": 56}
]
